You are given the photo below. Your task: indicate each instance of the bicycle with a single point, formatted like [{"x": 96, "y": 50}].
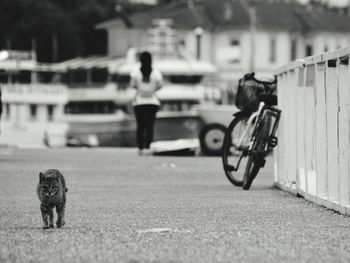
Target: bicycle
[{"x": 250, "y": 137}]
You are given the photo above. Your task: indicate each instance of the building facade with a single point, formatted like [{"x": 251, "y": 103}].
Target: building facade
[{"x": 236, "y": 36}]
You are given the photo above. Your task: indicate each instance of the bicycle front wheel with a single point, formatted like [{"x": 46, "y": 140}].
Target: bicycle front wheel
[
  {"x": 234, "y": 149},
  {"x": 257, "y": 156}
]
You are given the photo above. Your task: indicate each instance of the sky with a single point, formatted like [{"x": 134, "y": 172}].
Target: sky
[{"x": 333, "y": 2}]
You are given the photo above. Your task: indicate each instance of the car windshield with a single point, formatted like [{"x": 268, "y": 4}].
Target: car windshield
[{"x": 184, "y": 79}]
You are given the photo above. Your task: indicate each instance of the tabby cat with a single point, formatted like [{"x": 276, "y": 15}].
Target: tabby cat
[{"x": 52, "y": 193}]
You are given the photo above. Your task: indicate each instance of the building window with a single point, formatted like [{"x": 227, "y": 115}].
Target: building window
[
  {"x": 230, "y": 52},
  {"x": 309, "y": 50},
  {"x": 50, "y": 111},
  {"x": 33, "y": 111},
  {"x": 182, "y": 43},
  {"x": 235, "y": 52},
  {"x": 90, "y": 107},
  {"x": 234, "y": 42},
  {"x": 293, "y": 50},
  {"x": 4, "y": 77},
  {"x": 273, "y": 50},
  {"x": 6, "y": 109},
  {"x": 162, "y": 37},
  {"x": 25, "y": 76}
]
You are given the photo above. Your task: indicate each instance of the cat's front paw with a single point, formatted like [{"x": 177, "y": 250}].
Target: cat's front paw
[
  {"x": 50, "y": 226},
  {"x": 46, "y": 227}
]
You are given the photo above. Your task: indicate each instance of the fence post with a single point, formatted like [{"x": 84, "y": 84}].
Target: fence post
[
  {"x": 344, "y": 129},
  {"x": 279, "y": 166},
  {"x": 286, "y": 127},
  {"x": 301, "y": 183},
  {"x": 332, "y": 129},
  {"x": 321, "y": 130},
  {"x": 309, "y": 132},
  {"x": 292, "y": 130}
]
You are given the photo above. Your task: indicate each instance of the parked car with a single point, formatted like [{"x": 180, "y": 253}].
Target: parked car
[{"x": 216, "y": 118}]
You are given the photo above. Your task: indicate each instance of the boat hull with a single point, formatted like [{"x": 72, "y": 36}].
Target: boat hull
[{"x": 122, "y": 133}]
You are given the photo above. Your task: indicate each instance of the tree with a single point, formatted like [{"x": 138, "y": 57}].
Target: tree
[{"x": 58, "y": 29}]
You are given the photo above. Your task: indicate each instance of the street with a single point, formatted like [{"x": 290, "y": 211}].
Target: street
[{"x": 125, "y": 208}]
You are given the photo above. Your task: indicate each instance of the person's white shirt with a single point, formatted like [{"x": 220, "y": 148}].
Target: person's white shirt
[{"x": 146, "y": 91}]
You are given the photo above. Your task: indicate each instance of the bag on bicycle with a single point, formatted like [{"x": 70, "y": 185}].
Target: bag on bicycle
[{"x": 247, "y": 97}]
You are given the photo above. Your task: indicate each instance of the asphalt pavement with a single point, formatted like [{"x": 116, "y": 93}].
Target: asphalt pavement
[{"x": 125, "y": 208}]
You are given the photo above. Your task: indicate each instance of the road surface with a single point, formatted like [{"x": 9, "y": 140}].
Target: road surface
[{"x": 125, "y": 208}]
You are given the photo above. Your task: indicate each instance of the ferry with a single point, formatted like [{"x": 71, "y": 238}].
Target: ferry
[
  {"x": 33, "y": 97},
  {"x": 87, "y": 101},
  {"x": 186, "y": 84}
]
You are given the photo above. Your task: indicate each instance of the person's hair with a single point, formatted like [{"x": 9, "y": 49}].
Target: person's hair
[{"x": 146, "y": 65}]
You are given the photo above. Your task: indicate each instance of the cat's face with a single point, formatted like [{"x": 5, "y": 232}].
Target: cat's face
[{"x": 49, "y": 185}]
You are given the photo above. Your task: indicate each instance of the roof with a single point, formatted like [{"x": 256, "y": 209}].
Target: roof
[
  {"x": 182, "y": 15},
  {"x": 286, "y": 15}
]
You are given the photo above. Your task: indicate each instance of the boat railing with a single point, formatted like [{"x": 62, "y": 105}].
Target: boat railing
[{"x": 95, "y": 85}]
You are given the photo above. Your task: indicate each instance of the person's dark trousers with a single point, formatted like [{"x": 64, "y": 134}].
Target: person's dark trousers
[{"x": 145, "y": 119}]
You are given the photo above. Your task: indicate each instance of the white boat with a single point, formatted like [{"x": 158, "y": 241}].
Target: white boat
[
  {"x": 33, "y": 101},
  {"x": 42, "y": 105},
  {"x": 187, "y": 83},
  {"x": 86, "y": 101}
]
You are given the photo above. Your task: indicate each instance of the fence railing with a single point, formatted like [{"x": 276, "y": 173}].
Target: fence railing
[{"x": 312, "y": 159}]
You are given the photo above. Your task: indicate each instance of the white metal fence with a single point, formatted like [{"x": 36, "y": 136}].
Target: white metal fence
[{"x": 312, "y": 158}]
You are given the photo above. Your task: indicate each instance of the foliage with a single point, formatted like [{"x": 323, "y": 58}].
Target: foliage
[{"x": 57, "y": 29}]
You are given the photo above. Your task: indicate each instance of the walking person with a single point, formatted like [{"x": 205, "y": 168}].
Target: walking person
[{"x": 146, "y": 80}]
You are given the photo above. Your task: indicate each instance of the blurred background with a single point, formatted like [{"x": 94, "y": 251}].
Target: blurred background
[{"x": 65, "y": 64}]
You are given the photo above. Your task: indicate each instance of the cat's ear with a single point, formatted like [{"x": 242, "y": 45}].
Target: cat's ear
[
  {"x": 56, "y": 177},
  {"x": 41, "y": 176}
]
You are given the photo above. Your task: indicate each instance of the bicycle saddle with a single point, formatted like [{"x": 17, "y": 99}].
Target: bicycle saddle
[{"x": 268, "y": 99}]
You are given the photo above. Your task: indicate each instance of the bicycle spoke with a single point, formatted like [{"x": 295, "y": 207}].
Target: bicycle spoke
[{"x": 234, "y": 150}]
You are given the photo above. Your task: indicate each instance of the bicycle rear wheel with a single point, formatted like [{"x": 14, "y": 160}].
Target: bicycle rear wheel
[
  {"x": 256, "y": 158},
  {"x": 234, "y": 156}
]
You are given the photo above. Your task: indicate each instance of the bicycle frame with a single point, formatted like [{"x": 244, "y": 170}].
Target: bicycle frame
[
  {"x": 271, "y": 112},
  {"x": 274, "y": 114},
  {"x": 251, "y": 135},
  {"x": 247, "y": 135},
  {"x": 251, "y": 127},
  {"x": 264, "y": 114}
]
